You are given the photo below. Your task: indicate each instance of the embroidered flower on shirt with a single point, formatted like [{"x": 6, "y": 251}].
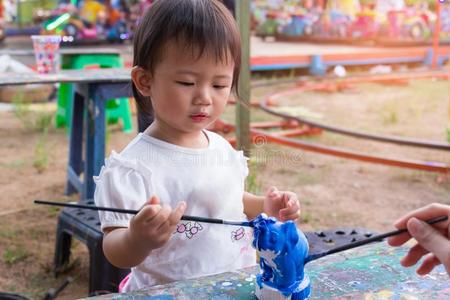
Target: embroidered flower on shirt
[
  {"x": 189, "y": 229},
  {"x": 237, "y": 234}
]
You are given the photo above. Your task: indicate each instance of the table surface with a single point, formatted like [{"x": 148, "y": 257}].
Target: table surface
[
  {"x": 63, "y": 51},
  {"x": 111, "y": 75},
  {"x": 369, "y": 272}
]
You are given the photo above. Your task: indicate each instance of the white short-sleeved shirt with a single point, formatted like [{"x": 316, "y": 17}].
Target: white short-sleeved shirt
[{"x": 210, "y": 180}]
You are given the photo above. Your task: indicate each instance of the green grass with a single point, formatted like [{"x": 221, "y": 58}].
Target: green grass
[
  {"x": 40, "y": 162},
  {"x": 15, "y": 164},
  {"x": 9, "y": 234},
  {"x": 307, "y": 178},
  {"x": 306, "y": 217},
  {"x": 253, "y": 185},
  {"x": 14, "y": 254}
]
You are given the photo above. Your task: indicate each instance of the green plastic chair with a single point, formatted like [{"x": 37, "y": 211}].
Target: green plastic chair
[{"x": 116, "y": 109}]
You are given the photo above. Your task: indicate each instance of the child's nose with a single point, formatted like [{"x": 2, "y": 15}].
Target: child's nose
[{"x": 202, "y": 97}]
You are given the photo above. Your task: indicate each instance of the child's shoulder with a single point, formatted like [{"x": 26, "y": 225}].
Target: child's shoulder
[
  {"x": 218, "y": 141},
  {"x": 135, "y": 147},
  {"x": 129, "y": 158}
]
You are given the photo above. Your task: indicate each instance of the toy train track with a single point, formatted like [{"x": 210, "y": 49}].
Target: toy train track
[{"x": 283, "y": 137}]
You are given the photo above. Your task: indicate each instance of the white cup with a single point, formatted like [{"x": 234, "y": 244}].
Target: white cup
[{"x": 46, "y": 51}]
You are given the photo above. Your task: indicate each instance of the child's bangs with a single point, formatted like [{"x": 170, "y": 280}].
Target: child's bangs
[{"x": 212, "y": 32}]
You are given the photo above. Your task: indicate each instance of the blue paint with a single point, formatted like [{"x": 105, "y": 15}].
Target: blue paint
[
  {"x": 163, "y": 297},
  {"x": 282, "y": 249}
]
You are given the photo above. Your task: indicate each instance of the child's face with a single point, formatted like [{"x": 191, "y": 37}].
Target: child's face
[{"x": 187, "y": 93}]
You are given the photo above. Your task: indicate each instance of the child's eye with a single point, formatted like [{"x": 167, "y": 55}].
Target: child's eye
[
  {"x": 220, "y": 87},
  {"x": 185, "y": 83}
]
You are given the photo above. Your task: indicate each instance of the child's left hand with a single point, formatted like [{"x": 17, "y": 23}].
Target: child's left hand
[{"x": 282, "y": 205}]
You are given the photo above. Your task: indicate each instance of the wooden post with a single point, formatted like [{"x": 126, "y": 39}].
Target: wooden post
[
  {"x": 437, "y": 31},
  {"x": 448, "y": 116},
  {"x": 242, "y": 8}
]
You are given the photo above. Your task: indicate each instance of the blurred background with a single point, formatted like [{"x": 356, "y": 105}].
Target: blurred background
[{"x": 333, "y": 76}]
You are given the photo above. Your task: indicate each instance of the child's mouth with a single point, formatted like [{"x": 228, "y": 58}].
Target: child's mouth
[{"x": 199, "y": 117}]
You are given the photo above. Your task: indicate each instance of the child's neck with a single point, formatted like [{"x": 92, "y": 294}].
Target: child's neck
[{"x": 195, "y": 140}]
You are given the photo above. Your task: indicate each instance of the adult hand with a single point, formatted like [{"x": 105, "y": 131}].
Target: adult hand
[{"x": 432, "y": 240}]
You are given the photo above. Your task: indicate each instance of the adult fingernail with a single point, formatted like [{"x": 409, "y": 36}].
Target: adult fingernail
[{"x": 414, "y": 225}]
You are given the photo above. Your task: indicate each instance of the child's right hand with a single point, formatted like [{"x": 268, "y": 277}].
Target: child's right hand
[{"x": 153, "y": 226}]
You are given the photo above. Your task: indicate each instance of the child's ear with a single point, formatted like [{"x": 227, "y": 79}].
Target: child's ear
[{"x": 142, "y": 80}]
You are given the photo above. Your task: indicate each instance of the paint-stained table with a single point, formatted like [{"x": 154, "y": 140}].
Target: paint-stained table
[{"x": 370, "y": 272}]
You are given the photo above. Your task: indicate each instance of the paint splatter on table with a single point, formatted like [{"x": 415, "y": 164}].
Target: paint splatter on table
[{"x": 371, "y": 272}]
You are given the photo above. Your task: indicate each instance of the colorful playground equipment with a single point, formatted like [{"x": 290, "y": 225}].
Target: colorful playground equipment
[
  {"x": 269, "y": 27},
  {"x": 2, "y": 32},
  {"x": 116, "y": 109},
  {"x": 301, "y": 24},
  {"x": 364, "y": 26},
  {"x": 381, "y": 21},
  {"x": 91, "y": 21},
  {"x": 319, "y": 64}
]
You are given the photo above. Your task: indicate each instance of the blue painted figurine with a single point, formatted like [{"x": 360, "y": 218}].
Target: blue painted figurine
[{"x": 282, "y": 249}]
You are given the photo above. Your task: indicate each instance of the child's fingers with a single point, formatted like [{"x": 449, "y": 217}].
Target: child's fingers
[
  {"x": 153, "y": 200},
  {"x": 272, "y": 192},
  {"x": 291, "y": 203},
  {"x": 289, "y": 213},
  {"x": 428, "y": 264},
  {"x": 290, "y": 209},
  {"x": 147, "y": 212},
  {"x": 173, "y": 218},
  {"x": 413, "y": 256},
  {"x": 290, "y": 200},
  {"x": 162, "y": 216},
  {"x": 177, "y": 213},
  {"x": 293, "y": 217},
  {"x": 164, "y": 227}
]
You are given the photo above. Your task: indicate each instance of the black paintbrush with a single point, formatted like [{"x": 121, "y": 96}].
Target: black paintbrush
[
  {"x": 309, "y": 258},
  {"x": 133, "y": 212},
  {"x": 375, "y": 238}
]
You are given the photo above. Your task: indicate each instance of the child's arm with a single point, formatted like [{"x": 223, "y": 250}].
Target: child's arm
[
  {"x": 282, "y": 205},
  {"x": 150, "y": 229},
  {"x": 253, "y": 205}
]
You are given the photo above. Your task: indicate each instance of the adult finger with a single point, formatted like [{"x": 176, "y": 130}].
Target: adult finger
[
  {"x": 426, "y": 213},
  {"x": 428, "y": 264},
  {"x": 398, "y": 240},
  {"x": 413, "y": 256},
  {"x": 430, "y": 239}
]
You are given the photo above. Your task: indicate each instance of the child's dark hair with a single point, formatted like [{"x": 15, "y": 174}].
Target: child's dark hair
[{"x": 201, "y": 25}]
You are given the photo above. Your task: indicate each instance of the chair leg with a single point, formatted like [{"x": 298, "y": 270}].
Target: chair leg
[
  {"x": 125, "y": 115},
  {"x": 103, "y": 276},
  {"x": 62, "y": 249},
  {"x": 75, "y": 144}
]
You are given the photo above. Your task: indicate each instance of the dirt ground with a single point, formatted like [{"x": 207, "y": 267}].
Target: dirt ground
[{"x": 334, "y": 192}]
